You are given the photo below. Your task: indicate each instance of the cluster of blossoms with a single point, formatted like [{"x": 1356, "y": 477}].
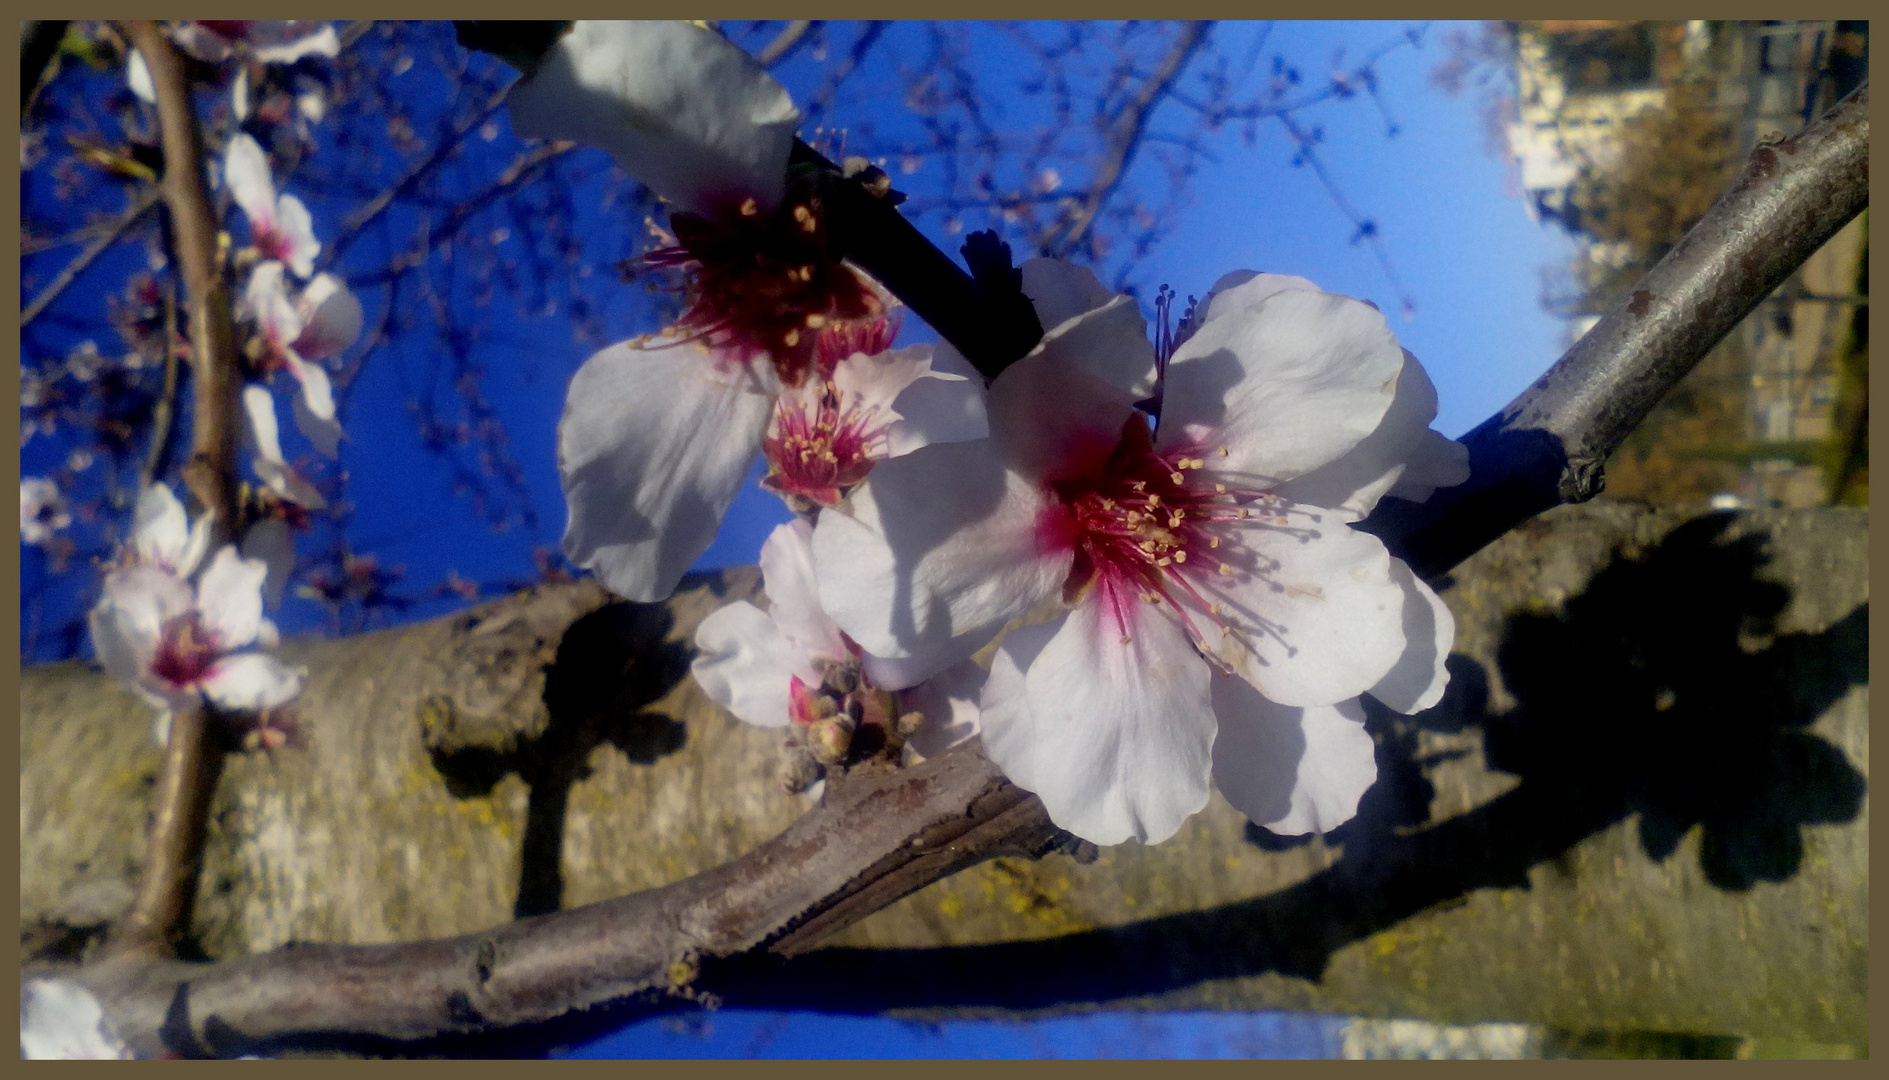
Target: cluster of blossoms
[
  {"x": 1170, "y": 522},
  {"x": 184, "y": 632},
  {"x": 264, "y": 52}
]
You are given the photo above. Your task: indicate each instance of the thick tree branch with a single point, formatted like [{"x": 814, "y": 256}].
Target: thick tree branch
[
  {"x": 192, "y": 760},
  {"x": 1548, "y": 446}
]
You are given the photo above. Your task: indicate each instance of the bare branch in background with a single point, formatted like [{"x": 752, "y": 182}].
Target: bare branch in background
[
  {"x": 791, "y": 37},
  {"x": 109, "y": 236}
]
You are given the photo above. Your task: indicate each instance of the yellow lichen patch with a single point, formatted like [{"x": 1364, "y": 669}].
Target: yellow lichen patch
[{"x": 951, "y": 907}]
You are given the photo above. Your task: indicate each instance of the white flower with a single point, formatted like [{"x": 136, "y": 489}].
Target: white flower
[
  {"x": 61, "y": 1020},
  {"x": 42, "y": 510},
  {"x": 678, "y": 106},
  {"x": 298, "y": 334},
  {"x": 176, "y": 645},
  {"x": 162, "y": 534},
  {"x": 826, "y": 434},
  {"x": 1221, "y": 540},
  {"x": 280, "y": 228},
  {"x": 265, "y": 451},
  {"x": 657, "y": 437},
  {"x": 764, "y": 666}
]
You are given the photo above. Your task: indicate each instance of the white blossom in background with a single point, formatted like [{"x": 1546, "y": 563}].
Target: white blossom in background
[
  {"x": 42, "y": 510},
  {"x": 657, "y": 437},
  {"x": 176, "y": 644},
  {"x": 297, "y": 334},
  {"x": 280, "y": 227},
  {"x": 214, "y": 41},
  {"x": 1222, "y": 618},
  {"x": 264, "y": 440},
  {"x": 792, "y": 667},
  {"x": 61, "y": 1020}
]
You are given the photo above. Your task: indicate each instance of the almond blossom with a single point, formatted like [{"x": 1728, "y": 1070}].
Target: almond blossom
[
  {"x": 296, "y": 334},
  {"x": 280, "y": 227},
  {"x": 61, "y": 1020},
  {"x": 177, "y": 645},
  {"x": 42, "y": 510},
  {"x": 214, "y": 41},
  {"x": 791, "y": 667},
  {"x": 1220, "y": 617},
  {"x": 658, "y": 435}
]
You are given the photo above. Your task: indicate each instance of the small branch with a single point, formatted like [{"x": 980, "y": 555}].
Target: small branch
[
  {"x": 111, "y": 232},
  {"x": 192, "y": 763},
  {"x": 164, "y": 414},
  {"x": 1126, "y": 141},
  {"x": 791, "y": 37},
  {"x": 39, "y": 43},
  {"x": 1548, "y": 446}
]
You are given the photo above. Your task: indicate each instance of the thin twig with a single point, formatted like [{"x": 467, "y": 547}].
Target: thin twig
[
  {"x": 1125, "y": 141},
  {"x": 139, "y": 207},
  {"x": 167, "y": 883},
  {"x": 791, "y": 37},
  {"x": 164, "y": 414}
]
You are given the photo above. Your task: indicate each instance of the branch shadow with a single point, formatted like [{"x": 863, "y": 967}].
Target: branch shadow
[
  {"x": 609, "y": 665},
  {"x": 1662, "y": 691}
]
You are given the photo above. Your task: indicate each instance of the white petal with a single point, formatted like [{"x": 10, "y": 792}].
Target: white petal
[
  {"x": 1295, "y": 771},
  {"x": 138, "y": 78},
  {"x": 1115, "y": 737},
  {"x": 1060, "y": 291},
  {"x": 269, "y": 541},
  {"x": 267, "y": 298},
  {"x": 948, "y": 406},
  {"x": 315, "y": 406},
  {"x": 1055, "y": 418},
  {"x": 1435, "y": 462},
  {"x": 678, "y": 106},
  {"x": 61, "y": 1020},
  {"x": 251, "y": 682},
  {"x": 948, "y": 704},
  {"x": 160, "y": 530},
  {"x": 229, "y": 597},
  {"x": 793, "y": 592},
  {"x": 201, "y": 42},
  {"x": 134, "y": 604},
  {"x": 1419, "y": 678},
  {"x": 1285, "y": 386},
  {"x": 284, "y": 41},
  {"x": 1352, "y": 484},
  {"x": 652, "y": 447},
  {"x": 1239, "y": 289},
  {"x": 744, "y": 664},
  {"x": 1313, "y": 614},
  {"x": 246, "y": 173},
  {"x": 265, "y": 447},
  {"x": 298, "y": 227},
  {"x": 332, "y": 319},
  {"x": 239, "y": 94},
  {"x": 195, "y": 547},
  {"x": 1109, "y": 343},
  {"x": 940, "y": 543},
  {"x": 898, "y": 673}
]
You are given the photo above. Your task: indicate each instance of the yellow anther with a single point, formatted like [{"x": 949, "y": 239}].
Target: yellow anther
[
  {"x": 815, "y": 320},
  {"x": 1241, "y": 514},
  {"x": 1213, "y": 541},
  {"x": 792, "y": 338},
  {"x": 1147, "y": 545},
  {"x": 1177, "y": 477},
  {"x": 1223, "y": 451},
  {"x": 749, "y": 208},
  {"x": 1225, "y": 569},
  {"x": 1180, "y": 556},
  {"x": 1174, "y": 522},
  {"x": 1154, "y": 500},
  {"x": 1220, "y": 489},
  {"x": 1163, "y": 562}
]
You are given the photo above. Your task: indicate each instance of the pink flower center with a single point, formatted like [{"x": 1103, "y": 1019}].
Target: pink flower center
[
  {"x": 1151, "y": 527},
  {"x": 817, "y": 453},
  {"x": 272, "y": 242},
  {"x": 185, "y": 651}
]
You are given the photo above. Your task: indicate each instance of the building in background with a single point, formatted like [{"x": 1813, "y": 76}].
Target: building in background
[{"x": 1777, "y": 415}]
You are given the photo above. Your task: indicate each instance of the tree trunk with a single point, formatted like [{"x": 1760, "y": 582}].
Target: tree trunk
[{"x": 1641, "y": 807}]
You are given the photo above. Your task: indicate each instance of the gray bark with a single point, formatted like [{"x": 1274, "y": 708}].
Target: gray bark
[{"x": 1641, "y": 807}]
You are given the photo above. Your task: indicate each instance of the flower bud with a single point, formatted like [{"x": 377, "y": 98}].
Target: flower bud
[{"x": 831, "y": 738}]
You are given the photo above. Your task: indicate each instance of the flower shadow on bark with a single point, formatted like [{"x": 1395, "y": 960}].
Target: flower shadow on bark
[
  {"x": 1643, "y": 696},
  {"x": 609, "y": 665}
]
